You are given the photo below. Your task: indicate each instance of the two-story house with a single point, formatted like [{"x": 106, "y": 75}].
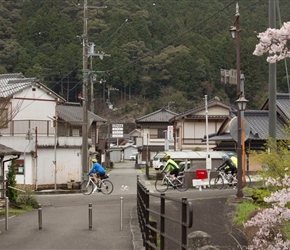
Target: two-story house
[
  {"x": 46, "y": 130},
  {"x": 190, "y": 127},
  {"x": 154, "y": 129}
]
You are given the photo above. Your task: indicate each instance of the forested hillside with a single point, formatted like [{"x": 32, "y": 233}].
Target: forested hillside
[{"x": 161, "y": 52}]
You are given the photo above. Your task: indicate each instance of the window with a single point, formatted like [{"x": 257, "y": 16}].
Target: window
[
  {"x": 19, "y": 166},
  {"x": 161, "y": 133}
]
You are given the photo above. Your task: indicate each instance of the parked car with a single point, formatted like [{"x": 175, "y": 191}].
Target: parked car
[
  {"x": 158, "y": 163},
  {"x": 182, "y": 166},
  {"x": 133, "y": 157}
]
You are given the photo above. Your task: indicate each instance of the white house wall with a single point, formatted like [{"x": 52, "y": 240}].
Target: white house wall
[
  {"x": 40, "y": 170},
  {"x": 34, "y": 105},
  {"x": 68, "y": 165}
]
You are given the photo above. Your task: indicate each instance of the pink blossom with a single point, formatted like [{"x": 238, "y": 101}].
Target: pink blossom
[
  {"x": 274, "y": 41},
  {"x": 272, "y": 217}
]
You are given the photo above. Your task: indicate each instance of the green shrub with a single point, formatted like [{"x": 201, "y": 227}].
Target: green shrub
[
  {"x": 27, "y": 199},
  {"x": 12, "y": 194},
  {"x": 259, "y": 193}
]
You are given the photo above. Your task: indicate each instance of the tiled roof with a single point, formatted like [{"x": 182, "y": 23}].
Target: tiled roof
[
  {"x": 283, "y": 103},
  {"x": 211, "y": 103},
  {"x": 13, "y": 83},
  {"x": 161, "y": 115},
  {"x": 259, "y": 123},
  {"x": 73, "y": 114},
  {"x": 258, "y": 120}
]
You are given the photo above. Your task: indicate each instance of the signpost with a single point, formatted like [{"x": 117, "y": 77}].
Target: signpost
[
  {"x": 170, "y": 133},
  {"x": 117, "y": 130}
]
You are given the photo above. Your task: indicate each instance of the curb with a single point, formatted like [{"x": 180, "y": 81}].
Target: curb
[{"x": 58, "y": 191}]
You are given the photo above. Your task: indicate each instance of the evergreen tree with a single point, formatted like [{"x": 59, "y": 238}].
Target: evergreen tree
[{"x": 12, "y": 194}]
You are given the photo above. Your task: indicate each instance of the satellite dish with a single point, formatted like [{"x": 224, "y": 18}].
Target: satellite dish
[{"x": 234, "y": 129}]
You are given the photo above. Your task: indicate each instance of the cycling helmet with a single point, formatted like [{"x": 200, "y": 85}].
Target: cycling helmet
[
  {"x": 167, "y": 156},
  {"x": 94, "y": 160},
  {"x": 224, "y": 157},
  {"x": 231, "y": 154}
]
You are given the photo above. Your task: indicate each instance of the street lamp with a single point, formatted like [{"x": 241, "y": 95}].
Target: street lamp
[
  {"x": 235, "y": 33},
  {"x": 242, "y": 102}
]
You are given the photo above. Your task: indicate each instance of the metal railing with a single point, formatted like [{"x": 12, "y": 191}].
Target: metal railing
[
  {"x": 145, "y": 212},
  {"x": 3, "y": 187}
]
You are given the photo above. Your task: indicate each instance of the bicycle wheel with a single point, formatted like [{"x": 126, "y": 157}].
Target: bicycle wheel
[
  {"x": 248, "y": 181},
  {"x": 181, "y": 186},
  {"x": 216, "y": 183},
  {"x": 87, "y": 187},
  {"x": 107, "y": 187},
  {"x": 161, "y": 185}
]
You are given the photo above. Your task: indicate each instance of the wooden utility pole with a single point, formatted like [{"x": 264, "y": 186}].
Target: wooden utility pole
[
  {"x": 85, "y": 94},
  {"x": 272, "y": 78}
]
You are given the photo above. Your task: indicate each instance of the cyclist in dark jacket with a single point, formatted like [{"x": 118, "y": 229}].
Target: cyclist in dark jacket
[{"x": 228, "y": 165}]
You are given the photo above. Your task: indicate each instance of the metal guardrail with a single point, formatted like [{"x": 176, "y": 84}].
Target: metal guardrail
[{"x": 144, "y": 211}]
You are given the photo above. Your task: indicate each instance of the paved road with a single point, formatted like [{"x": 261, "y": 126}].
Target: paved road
[{"x": 65, "y": 218}]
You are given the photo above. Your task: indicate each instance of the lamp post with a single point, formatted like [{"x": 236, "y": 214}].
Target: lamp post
[
  {"x": 241, "y": 102},
  {"x": 235, "y": 33}
]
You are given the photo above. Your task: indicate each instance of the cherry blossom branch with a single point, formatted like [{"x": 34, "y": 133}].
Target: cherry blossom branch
[{"x": 274, "y": 41}]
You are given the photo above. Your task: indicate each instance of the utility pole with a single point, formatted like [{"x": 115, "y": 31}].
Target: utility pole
[
  {"x": 272, "y": 79},
  {"x": 91, "y": 53},
  {"x": 85, "y": 87},
  {"x": 85, "y": 94}
]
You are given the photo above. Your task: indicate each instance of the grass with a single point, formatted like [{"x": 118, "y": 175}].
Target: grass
[
  {"x": 286, "y": 229},
  {"x": 14, "y": 211},
  {"x": 242, "y": 211}
]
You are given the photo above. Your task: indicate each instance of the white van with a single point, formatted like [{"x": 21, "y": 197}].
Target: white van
[{"x": 158, "y": 163}]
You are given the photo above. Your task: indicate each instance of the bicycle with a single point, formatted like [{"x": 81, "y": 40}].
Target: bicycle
[
  {"x": 103, "y": 185},
  {"x": 178, "y": 183},
  {"x": 224, "y": 180}
]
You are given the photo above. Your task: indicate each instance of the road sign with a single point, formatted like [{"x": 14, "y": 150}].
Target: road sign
[
  {"x": 170, "y": 133},
  {"x": 117, "y": 130}
]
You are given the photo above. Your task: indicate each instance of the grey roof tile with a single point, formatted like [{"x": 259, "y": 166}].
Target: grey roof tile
[
  {"x": 161, "y": 115},
  {"x": 73, "y": 114},
  {"x": 259, "y": 123},
  {"x": 283, "y": 103},
  {"x": 211, "y": 103},
  {"x": 13, "y": 83}
]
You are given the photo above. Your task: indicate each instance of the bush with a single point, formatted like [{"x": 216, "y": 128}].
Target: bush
[
  {"x": 27, "y": 199},
  {"x": 12, "y": 194}
]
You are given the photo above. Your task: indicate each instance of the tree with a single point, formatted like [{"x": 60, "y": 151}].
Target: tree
[
  {"x": 11, "y": 182},
  {"x": 275, "y": 42},
  {"x": 5, "y": 115}
]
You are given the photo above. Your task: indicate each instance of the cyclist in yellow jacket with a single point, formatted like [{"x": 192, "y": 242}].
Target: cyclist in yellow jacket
[
  {"x": 233, "y": 158},
  {"x": 171, "y": 166}
]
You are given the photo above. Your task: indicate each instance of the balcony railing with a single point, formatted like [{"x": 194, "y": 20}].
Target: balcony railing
[{"x": 44, "y": 128}]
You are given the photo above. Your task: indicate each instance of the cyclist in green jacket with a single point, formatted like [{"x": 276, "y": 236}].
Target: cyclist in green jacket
[{"x": 171, "y": 166}]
